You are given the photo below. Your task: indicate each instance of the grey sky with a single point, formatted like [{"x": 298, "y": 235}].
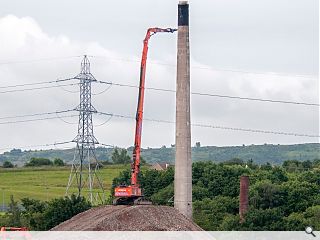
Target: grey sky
[{"x": 266, "y": 36}]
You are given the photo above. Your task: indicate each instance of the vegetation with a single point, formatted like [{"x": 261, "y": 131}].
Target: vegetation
[
  {"x": 120, "y": 157},
  {"x": 275, "y": 154},
  {"x": 37, "y": 162},
  {"x": 40, "y": 216},
  {"x": 7, "y": 164},
  {"x": 58, "y": 162},
  {"x": 281, "y": 197}
]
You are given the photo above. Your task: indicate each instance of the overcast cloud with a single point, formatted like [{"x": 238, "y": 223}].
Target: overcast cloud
[{"x": 278, "y": 36}]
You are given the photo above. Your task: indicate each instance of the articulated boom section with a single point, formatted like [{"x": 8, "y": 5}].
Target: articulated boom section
[
  {"x": 133, "y": 194},
  {"x": 137, "y": 143}
]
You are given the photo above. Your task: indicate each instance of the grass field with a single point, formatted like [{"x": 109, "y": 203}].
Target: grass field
[{"x": 45, "y": 183}]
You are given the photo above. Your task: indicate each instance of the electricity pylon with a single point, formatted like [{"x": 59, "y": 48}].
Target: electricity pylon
[{"x": 85, "y": 166}]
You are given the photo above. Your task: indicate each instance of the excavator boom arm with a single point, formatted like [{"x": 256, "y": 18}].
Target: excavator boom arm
[{"x": 135, "y": 167}]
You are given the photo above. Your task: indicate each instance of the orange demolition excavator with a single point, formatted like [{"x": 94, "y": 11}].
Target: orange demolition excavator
[{"x": 132, "y": 194}]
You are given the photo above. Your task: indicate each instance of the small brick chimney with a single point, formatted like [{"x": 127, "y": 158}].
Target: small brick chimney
[{"x": 244, "y": 197}]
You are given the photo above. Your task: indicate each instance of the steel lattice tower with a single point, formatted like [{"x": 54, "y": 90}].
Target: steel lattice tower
[{"x": 85, "y": 166}]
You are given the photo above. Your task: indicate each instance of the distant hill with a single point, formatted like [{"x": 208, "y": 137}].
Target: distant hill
[{"x": 260, "y": 154}]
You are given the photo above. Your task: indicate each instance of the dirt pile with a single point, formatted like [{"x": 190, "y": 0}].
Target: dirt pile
[{"x": 129, "y": 218}]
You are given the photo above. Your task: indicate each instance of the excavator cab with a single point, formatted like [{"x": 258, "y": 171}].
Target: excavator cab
[{"x": 127, "y": 195}]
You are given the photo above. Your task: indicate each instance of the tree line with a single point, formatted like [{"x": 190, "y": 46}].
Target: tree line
[
  {"x": 281, "y": 198},
  {"x": 39, "y": 215},
  {"x": 119, "y": 156},
  {"x": 36, "y": 162}
]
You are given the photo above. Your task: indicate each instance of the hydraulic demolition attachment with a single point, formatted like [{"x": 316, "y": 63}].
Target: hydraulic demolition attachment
[{"x": 133, "y": 194}]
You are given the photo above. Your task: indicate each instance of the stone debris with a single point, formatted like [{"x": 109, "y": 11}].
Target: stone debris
[{"x": 129, "y": 218}]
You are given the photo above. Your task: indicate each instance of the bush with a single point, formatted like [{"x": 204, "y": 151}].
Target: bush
[
  {"x": 7, "y": 164},
  {"x": 36, "y": 162},
  {"x": 42, "y": 216},
  {"x": 58, "y": 162},
  {"x": 279, "y": 199}
]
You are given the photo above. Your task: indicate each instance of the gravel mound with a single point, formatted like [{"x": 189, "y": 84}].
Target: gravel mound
[{"x": 129, "y": 218}]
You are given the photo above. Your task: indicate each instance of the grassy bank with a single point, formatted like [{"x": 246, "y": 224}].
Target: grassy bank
[{"x": 45, "y": 183}]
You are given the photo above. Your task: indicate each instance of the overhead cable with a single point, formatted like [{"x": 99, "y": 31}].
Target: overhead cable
[
  {"x": 36, "y": 114},
  {"x": 33, "y": 146},
  {"x": 37, "y": 88},
  {"x": 37, "y": 119},
  {"x": 213, "y": 68},
  {"x": 6, "y": 62},
  {"x": 219, "y": 127},
  {"x": 216, "y": 95}
]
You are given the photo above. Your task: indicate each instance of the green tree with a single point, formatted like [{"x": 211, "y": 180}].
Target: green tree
[
  {"x": 316, "y": 163},
  {"x": 58, "y": 162},
  {"x": 7, "y": 164},
  {"x": 199, "y": 193},
  {"x": 33, "y": 213},
  {"x": 62, "y": 209},
  {"x": 36, "y": 162},
  {"x": 266, "y": 166},
  {"x": 164, "y": 196},
  {"x": 42, "y": 216},
  {"x": 251, "y": 164},
  {"x": 230, "y": 222},
  {"x": 312, "y": 216},
  {"x": 152, "y": 180},
  {"x": 278, "y": 175},
  {"x": 209, "y": 213},
  {"x": 307, "y": 165},
  {"x": 14, "y": 213},
  {"x": 264, "y": 195},
  {"x": 300, "y": 196},
  {"x": 115, "y": 156},
  {"x": 295, "y": 221},
  {"x": 278, "y": 200},
  {"x": 263, "y": 219},
  {"x": 234, "y": 161},
  {"x": 121, "y": 157},
  {"x": 124, "y": 157}
]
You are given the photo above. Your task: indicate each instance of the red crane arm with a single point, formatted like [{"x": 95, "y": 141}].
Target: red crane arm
[{"x": 135, "y": 167}]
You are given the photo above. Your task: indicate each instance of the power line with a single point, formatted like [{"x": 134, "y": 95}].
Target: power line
[
  {"x": 36, "y": 119},
  {"x": 212, "y": 68},
  {"x": 257, "y": 131},
  {"x": 151, "y": 120},
  {"x": 106, "y": 145},
  {"x": 40, "y": 145},
  {"x": 215, "y": 95},
  {"x": 50, "y": 144},
  {"x": 36, "y": 114},
  {"x": 6, "y": 62},
  {"x": 37, "y": 88},
  {"x": 219, "y": 127},
  {"x": 37, "y": 83},
  {"x": 66, "y": 90},
  {"x": 256, "y": 99},
  {"x": 149, "y": 88}
]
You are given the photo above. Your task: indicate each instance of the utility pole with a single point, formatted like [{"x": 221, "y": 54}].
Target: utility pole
[{"x": 85, "y": 166}]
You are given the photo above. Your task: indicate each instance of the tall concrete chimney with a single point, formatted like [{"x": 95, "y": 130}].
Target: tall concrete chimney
[
  {"x": 183, "y": 164},
  {"x": 244, "y": 197}
]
